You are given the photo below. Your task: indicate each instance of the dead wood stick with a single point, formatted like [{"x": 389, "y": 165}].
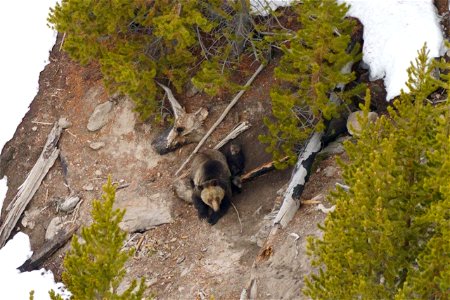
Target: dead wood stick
[
  {"x": 139, "y": 244},
  {"x": 41, "y": 123},
  {"x": 34, "y": 179},
  {"x": 123, "y": 186},
  {"x": 224, "y": 114},
  {"x": 260, "y": 170},
  {"x": 40, "y": 256},
  {"x": 237, "y": 212},
  {"x": 62, "y": 42},
  {"x": 237, "y": 130},
  {"x": 176, "y": 106},
  {"x": 71, "y": 133}
]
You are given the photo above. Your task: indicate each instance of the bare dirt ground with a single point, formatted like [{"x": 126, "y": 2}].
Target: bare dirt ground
[{"x": 187, "y": 258}]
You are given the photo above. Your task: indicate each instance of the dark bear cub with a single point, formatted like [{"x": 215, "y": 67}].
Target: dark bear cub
[{"x": 236, "y": 163}]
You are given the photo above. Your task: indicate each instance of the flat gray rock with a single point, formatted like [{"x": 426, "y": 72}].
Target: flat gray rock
[
  {"x": 143, "y": 213},
  {"x": 100, "y": 116}
]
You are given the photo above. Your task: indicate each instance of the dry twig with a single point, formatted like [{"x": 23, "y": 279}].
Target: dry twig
[
  {"x": 224, "y": 114},
  {"x": 237, "y": 212}
]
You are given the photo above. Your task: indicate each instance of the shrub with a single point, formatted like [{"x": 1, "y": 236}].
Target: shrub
[
  {"x": 309, "y": 70},
  {"x": 94, "y": 268},
  {"x": 388, "y": 237}
]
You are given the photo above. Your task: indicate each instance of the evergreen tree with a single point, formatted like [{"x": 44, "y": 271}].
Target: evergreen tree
[
  {"x": 136, "y": 42},
  {"x": 309, "y": 70},
  {"x": 388, "y": 237},
  {"x": 94, "y": 268}
]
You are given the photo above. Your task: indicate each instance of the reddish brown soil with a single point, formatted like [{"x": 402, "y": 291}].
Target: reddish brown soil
[{"x": 183, "y": 259}]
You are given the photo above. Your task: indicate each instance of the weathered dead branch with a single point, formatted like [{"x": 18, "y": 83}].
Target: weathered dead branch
[
  {"x": 33, "y": 181},
  {"x": 237, "y": 130},
  {"x": 222, "y": 116}
]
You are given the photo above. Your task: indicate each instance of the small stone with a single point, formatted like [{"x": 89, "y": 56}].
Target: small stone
[
  {"x": 96, "y": 145},
  {"x": 28, "y": 219},
  {"x": 186, "y": 270},
  {"x": 98, "y": 173},
  {"x": 56, "y": 224},
  {"x": 64, "y": 123},
  {"x": 181, "y": 259},
  {"x": 69, "y": 204},
  {"x": 333, "y": 148},
  {"x": 34, "y": 128},
  {"x": 88, "y": 187},
  {"x": 353, "y": 125},
  {"x": 330, "y": 171}
]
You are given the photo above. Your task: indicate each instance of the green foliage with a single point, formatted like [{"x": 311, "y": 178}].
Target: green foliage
[
  {"x": 53, "y": 296},
  {"x": 389, "y": 235},
  {"x": 309, "y": 70},
  {"x": 94, "y": 267},
  {"x": 136, "y": 42}
]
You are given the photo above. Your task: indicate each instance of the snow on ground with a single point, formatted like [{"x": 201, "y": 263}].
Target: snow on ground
[
  {"x": 263, "y": 7},
  {"x": 394, "y": 30},
  {"x": 17, "y": 285},
  {"x": 26, "y": 42}
]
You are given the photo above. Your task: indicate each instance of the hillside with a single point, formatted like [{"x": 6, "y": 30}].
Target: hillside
[
  {"x": 215, "y": 260},
  {"x": 179, "y": 255}
]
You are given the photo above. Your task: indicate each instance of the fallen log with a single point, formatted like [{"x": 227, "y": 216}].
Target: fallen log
[
  {"x": 300, "y": 175},
  {"x": 40, "y": 256},
  {"x": 31, "y": 184}
]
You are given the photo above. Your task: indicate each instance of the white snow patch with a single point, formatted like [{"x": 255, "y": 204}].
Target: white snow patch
[
  {"x": 264, "y": 7},
  {"x": 394, "y": 30},
  {"x": 17, "y": 285},
  {"x": 23, "y": 55}
]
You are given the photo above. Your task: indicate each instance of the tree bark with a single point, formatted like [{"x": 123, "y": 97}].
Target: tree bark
[
  {"x": 300, "y": 175},
  {"x": 32, "y": 182}
]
